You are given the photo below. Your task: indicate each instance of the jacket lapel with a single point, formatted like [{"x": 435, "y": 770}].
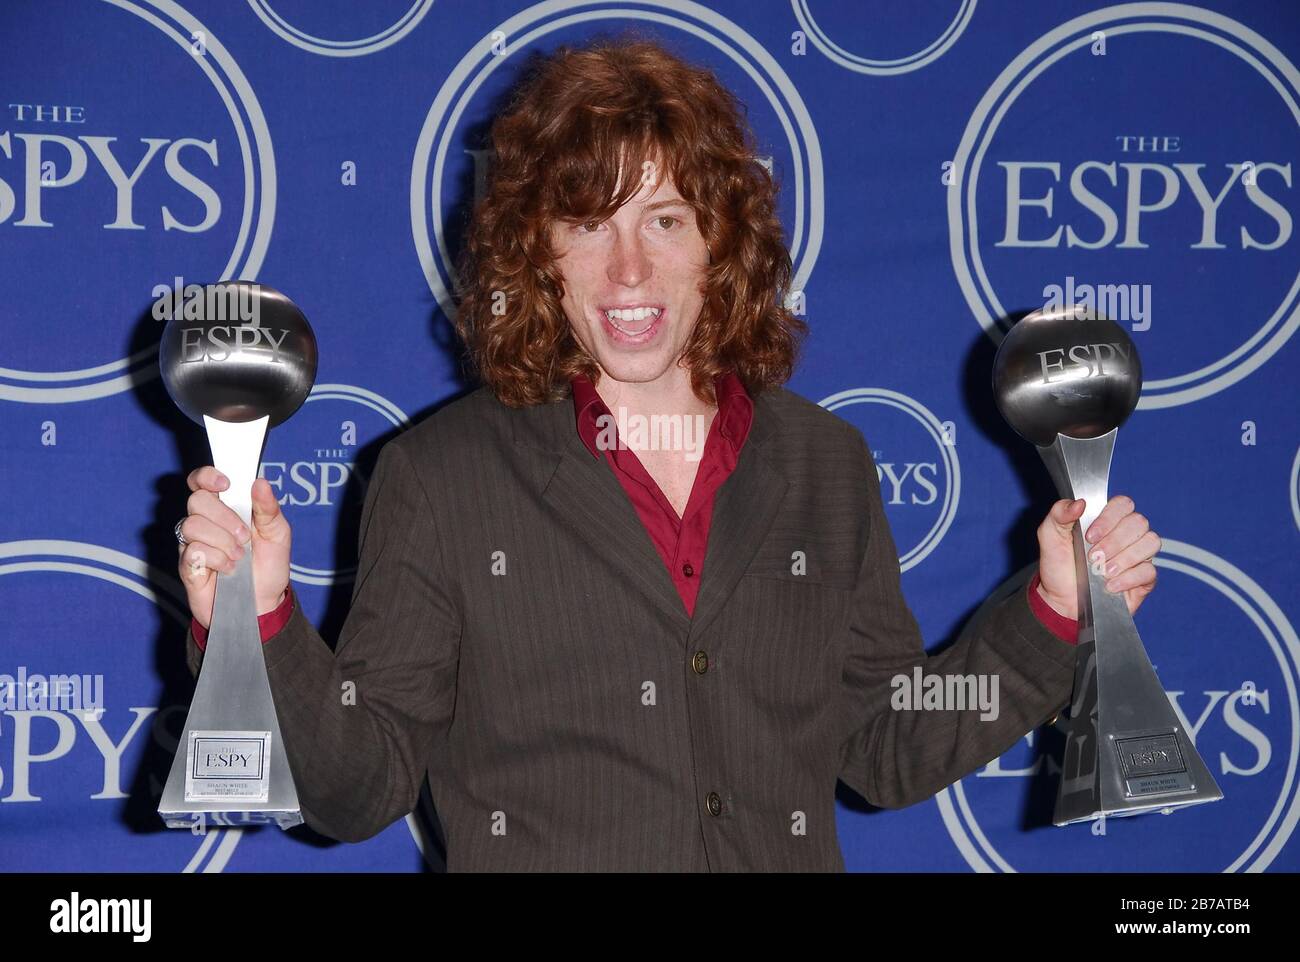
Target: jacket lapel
[
  {"x": 744, "y": 509},
  {"x": 587, "y": 498},
  {"x": 585, "y": 493}
]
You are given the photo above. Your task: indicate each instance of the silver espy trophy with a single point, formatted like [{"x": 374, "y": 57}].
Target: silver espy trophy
[
  {"x": 1066, "y": 378},
  {"x": 237, "y": 358}
]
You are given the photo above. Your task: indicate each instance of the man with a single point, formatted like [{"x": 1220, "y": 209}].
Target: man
[{"x": 610, "y": 656}]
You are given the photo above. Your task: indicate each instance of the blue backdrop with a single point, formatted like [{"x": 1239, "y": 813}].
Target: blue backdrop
[{"x": 943, "y": 165}]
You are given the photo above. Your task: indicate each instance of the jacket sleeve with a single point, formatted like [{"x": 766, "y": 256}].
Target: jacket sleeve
[
  {"x": 360, "y": 724},
  {"x": 897, "y": 757}
]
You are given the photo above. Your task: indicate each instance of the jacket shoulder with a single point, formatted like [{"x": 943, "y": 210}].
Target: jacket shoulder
[
  {"x": 809, "y": 428},
  {"x": 461, "y": 423}
]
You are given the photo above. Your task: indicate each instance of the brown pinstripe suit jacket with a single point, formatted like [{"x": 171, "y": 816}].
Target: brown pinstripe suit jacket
[{"x": 555, "y": 707}]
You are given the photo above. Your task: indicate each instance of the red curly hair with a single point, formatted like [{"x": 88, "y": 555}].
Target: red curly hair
[{"x": 558, "y": 149}]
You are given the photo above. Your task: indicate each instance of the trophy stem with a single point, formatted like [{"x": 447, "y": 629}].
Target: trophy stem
[
  {"x": 236, "y": 453},
  {"x": 1126, "y": 751}
]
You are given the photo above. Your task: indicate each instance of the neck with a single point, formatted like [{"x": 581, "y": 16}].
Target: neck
[{"x": 669, "y": 394}]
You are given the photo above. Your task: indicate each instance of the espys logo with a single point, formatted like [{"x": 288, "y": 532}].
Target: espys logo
[
  {"x": 102, "y": 771},
  {"x": 311, "y": 464},
  {"x": 1228, "y": 659},
  {"x": 916, "y": 462},
  {"x": 1147, "y": 147},
  {"x": 445, "y": 156},
  {"x": 117, "y": 173},
  {"x": 891, "y": 22}
]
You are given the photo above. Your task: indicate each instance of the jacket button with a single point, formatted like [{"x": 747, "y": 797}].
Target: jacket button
[
  {"x": 714, "y": 803},
  {"x": 700, "y": 663},
  {"x": 687, "y": 569}
]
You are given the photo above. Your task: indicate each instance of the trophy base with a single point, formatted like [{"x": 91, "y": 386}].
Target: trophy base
[
  {"x": 1155, "y": 770},
  {"x": 226, "y": 777},
  {"x": 1167, "y": 807},
  {"x": 188, "y": 818}
]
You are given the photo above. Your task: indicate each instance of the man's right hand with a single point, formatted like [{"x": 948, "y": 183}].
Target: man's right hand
[{"x": 217, "y": 538}]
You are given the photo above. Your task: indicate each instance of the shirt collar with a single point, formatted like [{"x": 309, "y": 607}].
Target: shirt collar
[{"x": 735, "y": 410}]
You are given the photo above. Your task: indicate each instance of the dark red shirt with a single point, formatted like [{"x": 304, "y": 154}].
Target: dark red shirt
[{"x": 680, "y": 541}]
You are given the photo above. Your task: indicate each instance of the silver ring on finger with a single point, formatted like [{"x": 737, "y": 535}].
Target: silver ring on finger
[{"x": 180, "y": 537}]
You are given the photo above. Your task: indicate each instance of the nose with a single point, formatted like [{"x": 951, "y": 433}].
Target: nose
[{"x": 629, "y": 262}]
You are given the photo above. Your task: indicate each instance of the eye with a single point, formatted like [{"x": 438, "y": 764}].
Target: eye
[
  {"x": 664, "y": 217},
  {"x": 582, "y": 228}
]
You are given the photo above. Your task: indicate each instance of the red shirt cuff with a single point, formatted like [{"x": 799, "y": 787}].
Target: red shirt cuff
[
  {"x": 1067, "y": 629},
  {"x": 268, "y": 624}
]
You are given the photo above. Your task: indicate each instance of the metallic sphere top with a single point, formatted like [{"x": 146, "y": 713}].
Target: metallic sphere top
[
  {"x": 1066, "y": 370},
  {"x": 236, "y": 351}
]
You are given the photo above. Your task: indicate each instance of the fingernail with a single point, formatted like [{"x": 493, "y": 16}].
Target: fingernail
[{"x": 241, "y": 533}]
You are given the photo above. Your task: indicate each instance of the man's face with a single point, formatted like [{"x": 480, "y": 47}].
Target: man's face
[{"x": 647, "y": 261}]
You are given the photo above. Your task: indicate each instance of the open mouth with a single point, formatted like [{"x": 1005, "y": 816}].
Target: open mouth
[{"x": 633, "y": 326}]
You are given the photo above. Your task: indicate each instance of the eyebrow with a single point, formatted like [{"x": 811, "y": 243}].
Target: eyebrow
[
  {"x": 657, "y": 205},
  {"x": 674, "y": 202}
]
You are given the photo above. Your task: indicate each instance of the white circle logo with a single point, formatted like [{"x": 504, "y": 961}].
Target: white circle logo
[
  {"x": 1092, "y": 181},
  {"x": 342, "y": 48},
  {"x": 1295, "y": 488},
  {"x": 892, "y": 480},
  {"x": 882, "y": 68},
  {"x": 197, "y": 45},
  {"x": 217, "y": 844},
  {"x": 1278, "y": 714},
  {"x": 311, "y": 481}
]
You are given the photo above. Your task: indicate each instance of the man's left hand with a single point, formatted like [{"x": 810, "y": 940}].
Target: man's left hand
[{"x": 1125, "y": 540}]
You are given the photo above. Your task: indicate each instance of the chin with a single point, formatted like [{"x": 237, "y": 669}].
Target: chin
[{"x": 634, "y": 370}]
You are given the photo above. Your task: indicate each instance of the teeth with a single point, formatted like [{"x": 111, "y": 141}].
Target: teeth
[{"x": 636, "y": 314}]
